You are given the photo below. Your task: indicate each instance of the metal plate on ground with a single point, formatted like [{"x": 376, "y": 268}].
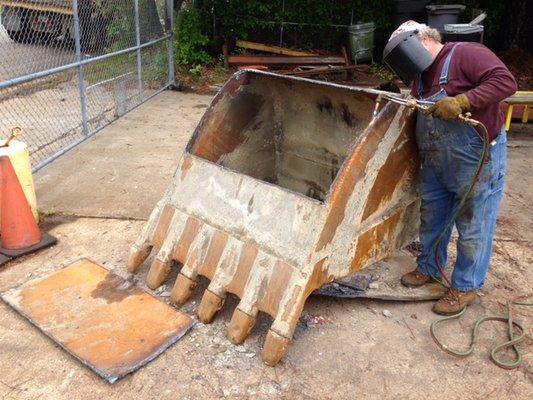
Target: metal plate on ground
[
  {"x": 103, "y": 320},
  {"x": 382, "y": 281}
]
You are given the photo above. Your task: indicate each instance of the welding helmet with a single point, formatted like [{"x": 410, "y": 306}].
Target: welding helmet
[{"x": 406, "y": 56}]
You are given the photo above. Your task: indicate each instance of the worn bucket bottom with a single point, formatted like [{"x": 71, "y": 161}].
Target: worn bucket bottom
[{"x": 104, "y": 321}]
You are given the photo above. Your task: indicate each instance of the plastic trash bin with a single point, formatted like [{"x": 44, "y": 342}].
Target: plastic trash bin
[
  {"x": 463, "y": 33},
  {"x": 442, "y": 14}
]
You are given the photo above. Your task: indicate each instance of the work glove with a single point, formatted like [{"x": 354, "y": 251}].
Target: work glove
[{"x": 449, "y": 107}]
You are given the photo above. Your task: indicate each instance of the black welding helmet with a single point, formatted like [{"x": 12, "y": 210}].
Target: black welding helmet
[{"x": 406, "y": 56}]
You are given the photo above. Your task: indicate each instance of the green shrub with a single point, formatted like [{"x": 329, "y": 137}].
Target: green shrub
[{"x": 189, "y": 40}]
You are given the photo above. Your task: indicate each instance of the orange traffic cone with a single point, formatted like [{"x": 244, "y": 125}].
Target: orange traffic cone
[{"x": 19, "y": 233}]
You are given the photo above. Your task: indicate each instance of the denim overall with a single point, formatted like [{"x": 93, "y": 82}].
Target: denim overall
[{"x": 449, "y": 154}]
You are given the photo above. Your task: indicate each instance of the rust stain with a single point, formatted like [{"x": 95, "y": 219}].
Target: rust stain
[
  {"x": 291, "y": 314},
  {"x": 352, "y": 172},
  {"x": 401, "y": 163},
  {"x": 162, "y": 225},
  {"x": 216, "y": 247},
  {"x": 225, "y": 134},
  {"x": 293, "y": 308},
  {"x": 186, "y": 165},
  {"x": 246, "y": 260},
  {"x": 192, "y": 227},
  {"x": 319, "y": 277},
  {"x": 279, "y": 279},
  {"x": 190, "y": 264},
  {"x": 375, "y": 241},
  {"x": 113, "y": 289}
]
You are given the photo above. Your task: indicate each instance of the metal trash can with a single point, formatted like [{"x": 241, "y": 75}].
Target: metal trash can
[
  {"x": 463, "y": 33},
  {"x": 361, "y": 42},
  {"x": 442, "y": 14},
  {"x": 404, "y": 10}
]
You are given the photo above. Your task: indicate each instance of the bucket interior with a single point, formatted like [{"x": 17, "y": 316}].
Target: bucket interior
[{"x": 290, "y": 133}]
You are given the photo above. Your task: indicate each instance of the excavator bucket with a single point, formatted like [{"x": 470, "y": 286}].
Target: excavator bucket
[{"x": 285, "y": 185}]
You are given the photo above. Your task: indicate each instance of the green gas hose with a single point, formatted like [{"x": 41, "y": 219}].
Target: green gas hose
[{"x": 512, "y": 342}]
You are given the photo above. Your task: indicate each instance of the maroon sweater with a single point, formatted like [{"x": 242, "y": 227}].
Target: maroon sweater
[{"x": 476, "y": 71}]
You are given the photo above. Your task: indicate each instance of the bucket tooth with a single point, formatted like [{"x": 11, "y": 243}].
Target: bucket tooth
[
  {"x": 142, "y": 247},
  {"x": 187, "y": 280},
  {"x": 161, "y": 266},
  {"x": 198, "y": 252},
  {"x": 209, "y": 306},
  {"x": 215, "y": 295},
  {"x": 240, "y": 326},
  {"x": 256, "y": 283},
  {"x": 183, "y": 289},
  {"x": 253, "y": 291},
  {"x": 157, "y": 273},
  {"x": 137, "y": 256},
  {"x": 275, "y": 348}
]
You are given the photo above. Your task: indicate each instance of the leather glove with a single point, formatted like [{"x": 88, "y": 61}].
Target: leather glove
[{"x": 449, "y": 107}]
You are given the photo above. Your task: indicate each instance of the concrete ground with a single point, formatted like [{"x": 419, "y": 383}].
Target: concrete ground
[{"x": 96, "y": 198}]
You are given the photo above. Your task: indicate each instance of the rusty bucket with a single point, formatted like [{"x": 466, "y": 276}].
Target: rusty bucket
[{"x": 285, "y": 185}]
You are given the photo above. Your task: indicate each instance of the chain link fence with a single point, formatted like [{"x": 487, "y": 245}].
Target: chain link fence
[{"x": 70, "y": 67}]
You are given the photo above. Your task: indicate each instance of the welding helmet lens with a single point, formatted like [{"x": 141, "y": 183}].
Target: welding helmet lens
[{"x": 406, "y": 56}]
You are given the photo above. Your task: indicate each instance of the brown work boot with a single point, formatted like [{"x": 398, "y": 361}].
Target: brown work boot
[
  {"x": 453, "y": 302},
  {"x": 415, "y": 279}
]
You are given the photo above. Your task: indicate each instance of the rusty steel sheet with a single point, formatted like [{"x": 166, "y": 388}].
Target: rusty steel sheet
[
  {"x": 103, "y": 320},
  {"x": 286, "y": 184}
]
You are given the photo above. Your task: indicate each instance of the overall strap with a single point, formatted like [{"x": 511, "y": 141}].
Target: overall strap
[
  {"x": 420, "y": 86},
  {"x": 443, "y": 80},
  {"x": 444, "y": 73}
]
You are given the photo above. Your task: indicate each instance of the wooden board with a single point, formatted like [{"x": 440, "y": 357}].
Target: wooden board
[
  {"x": 272, "y": 49},
  {"x": 103, "y": 320},
  {"x": 285, "y": 60}
]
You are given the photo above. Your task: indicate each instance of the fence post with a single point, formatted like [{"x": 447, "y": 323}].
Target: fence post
[
  {"x": 81, "y": 80},
  {"x": 171, "y": 71},
  {"x": 138, "y": 44}
]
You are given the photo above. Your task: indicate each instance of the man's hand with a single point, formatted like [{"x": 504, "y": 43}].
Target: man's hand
[{"x": 449, "y": 107}]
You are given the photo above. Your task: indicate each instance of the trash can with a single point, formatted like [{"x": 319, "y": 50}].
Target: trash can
[
  {"x": 404, "y": 10},
  {"x": 442, "y": 14},
  {"x": 361, "y": 42},
  {"x": 462, "y": 33}
]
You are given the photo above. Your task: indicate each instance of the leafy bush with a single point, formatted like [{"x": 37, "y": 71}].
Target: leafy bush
[{"x": 189, "y": 40}]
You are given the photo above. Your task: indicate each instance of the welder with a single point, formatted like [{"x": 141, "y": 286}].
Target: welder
[{"x": 455, "y": 78}]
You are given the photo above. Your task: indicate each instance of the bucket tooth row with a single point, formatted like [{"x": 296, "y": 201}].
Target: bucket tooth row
[
  {"x": 285, "y": 185},
  {"x": 233, "y": 266}
]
